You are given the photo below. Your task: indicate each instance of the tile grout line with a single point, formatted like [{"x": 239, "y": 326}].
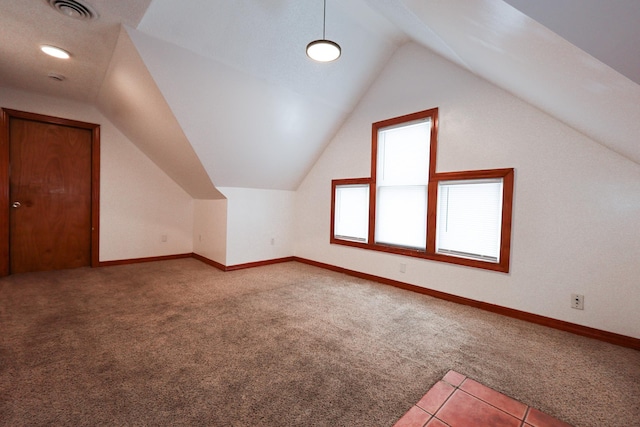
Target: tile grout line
[
  {"x": 442, "y": 421},
  {"x": 494, "y": 406},
  {"x": 442, "y": 404},
  {"x": 455, "y": 388},
  {"x": 526, "y": 414},
  {"x": 432, "y": 416}
]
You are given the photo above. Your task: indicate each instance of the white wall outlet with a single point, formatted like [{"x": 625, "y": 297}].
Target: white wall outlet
[
  {"x": 163, "y": 238},
  {"x": 577, "y": 301},
  {"x": 273, "y": 241},
  {"x": 403, "y": 267},
  {"x": 200, "y": 237}
]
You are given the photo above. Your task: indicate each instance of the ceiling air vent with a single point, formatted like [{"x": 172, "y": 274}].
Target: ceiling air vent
[{"x": 74, "y": 9}]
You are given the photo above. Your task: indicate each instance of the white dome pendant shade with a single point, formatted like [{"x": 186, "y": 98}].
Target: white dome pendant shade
[{"x": 323, "y": 50}]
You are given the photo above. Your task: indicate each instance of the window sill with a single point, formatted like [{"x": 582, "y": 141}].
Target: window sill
[{"x": 502, "y": 266}]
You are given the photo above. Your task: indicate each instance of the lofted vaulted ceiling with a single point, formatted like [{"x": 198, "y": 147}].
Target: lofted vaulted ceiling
[{"x": 245, "y": 107}]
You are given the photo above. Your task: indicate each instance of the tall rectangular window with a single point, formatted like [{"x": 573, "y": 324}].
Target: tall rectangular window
[{"x": 402, "y": 179}]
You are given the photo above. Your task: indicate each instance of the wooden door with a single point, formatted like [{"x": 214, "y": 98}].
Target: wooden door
[{"x": 50, "y": 195}]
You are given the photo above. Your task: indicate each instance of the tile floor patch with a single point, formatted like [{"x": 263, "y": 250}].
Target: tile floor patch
[
  {"x": 463, "y": 409},
  {"x": 436, "y": 396},
  {"x": 458, "y": 401},
  {"x": 499, "y": 400},
  {"x": 454, "y": 378},
  {"x": 540, "y": 419},
  {"x": 436, "y": 423},
  {"x": 413, "y": 418}
]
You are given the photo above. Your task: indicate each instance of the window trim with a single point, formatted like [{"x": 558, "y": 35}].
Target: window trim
[
  {"x": 506, "y": 174},
  {"x": 350, "y": 181},
  {"x": 334, "y": 203}
]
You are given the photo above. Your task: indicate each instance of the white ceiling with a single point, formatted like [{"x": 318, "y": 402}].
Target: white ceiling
[
  {"x": 26, "y": 24},
  {"x": 257, "y": 112},
  {"x": 607, "y": 30}
]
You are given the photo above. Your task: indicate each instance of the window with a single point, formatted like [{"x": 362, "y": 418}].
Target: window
[
  {"x": 401, "y": 185},
  {"x": 469, "y": 218},
  {"x": 405, "y": 207},
  {"x": 352, "y": 212}
]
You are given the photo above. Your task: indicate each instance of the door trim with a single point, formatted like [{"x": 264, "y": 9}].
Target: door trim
[{"x": 7, "y": 114}]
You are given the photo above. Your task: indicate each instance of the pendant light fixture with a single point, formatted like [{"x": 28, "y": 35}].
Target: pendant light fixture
[{"x": 323, "y": 50}]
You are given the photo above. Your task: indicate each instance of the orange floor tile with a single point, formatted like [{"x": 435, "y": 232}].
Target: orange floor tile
[{"x": 458, "y": 401}]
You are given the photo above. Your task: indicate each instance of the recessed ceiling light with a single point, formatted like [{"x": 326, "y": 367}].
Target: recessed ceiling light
[{"x": 55, "y": 51}]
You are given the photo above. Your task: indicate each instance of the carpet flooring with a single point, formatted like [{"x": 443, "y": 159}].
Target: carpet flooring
[{"x": 181, "y": 343}]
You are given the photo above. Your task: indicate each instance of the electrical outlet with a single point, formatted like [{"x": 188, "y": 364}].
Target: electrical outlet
[
  {"x": 163, "y": 238},
  {"x": 403, "y": 267},
  {"x": 273, "y": 241},
  {"x": 577, "y": 301}
]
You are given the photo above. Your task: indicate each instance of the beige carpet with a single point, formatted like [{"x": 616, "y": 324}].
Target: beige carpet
[{"x": 181, "y": 343}]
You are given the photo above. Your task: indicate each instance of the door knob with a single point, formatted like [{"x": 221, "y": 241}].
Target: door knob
[{"x": 16, "y": 205}]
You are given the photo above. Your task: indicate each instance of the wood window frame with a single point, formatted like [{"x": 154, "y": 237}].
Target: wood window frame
[
  {"x": 5, "y": 116},
  {"x": 506, "y": 174}
]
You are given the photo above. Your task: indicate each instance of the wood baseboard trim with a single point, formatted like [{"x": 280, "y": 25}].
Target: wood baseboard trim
[
  {"x": 241, "y": 266},
  {"x": 210, "y": 262},
  {"x": 139, "y": 260},
  {"x": 610, "y": 337},
  {"x": 206, "y": 260},
  {"x": 259, "y": 263}
]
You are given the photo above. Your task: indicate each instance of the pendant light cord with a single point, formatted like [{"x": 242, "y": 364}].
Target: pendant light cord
[{"x": 324, "y": 19}]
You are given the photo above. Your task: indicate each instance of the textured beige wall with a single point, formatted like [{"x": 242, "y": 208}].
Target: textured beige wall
[
  {"x": 259, "y": 224},
  {"x": 210, "y": 229}
]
